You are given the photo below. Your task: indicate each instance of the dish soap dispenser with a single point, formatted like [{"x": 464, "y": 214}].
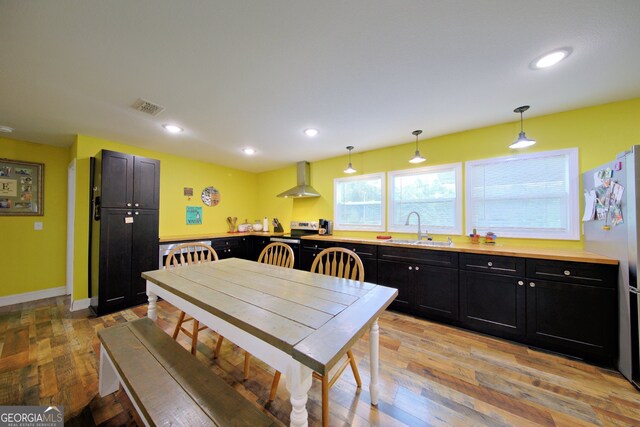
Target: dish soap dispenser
[{"x": 265, "y": 224}]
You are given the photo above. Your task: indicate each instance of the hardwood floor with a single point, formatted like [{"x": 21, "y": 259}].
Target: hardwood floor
[{"x": 430, "y": 374}]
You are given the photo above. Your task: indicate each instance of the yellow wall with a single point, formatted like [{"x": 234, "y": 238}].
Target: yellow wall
[
  {"x": 599, "y": 132},
  {"x": 35, "y": 260},
  {"x": 238, "y": 191}
]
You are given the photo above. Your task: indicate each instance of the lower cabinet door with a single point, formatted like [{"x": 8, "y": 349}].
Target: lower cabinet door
[
  {"x": 115, "y": 260},
  {"x": 144, "y": 248},
  {"x": 578, "y": 320},
  {"x": 396, "y": 275},
  {"x": 436, "y": 291},
  {"x": 493, "y": 304}
]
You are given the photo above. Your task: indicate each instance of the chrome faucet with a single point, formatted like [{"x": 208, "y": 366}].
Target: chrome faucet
[{"x": 420, "y": 234}]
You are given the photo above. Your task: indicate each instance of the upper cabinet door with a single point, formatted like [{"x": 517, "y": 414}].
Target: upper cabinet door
[
  {"x": 146, "y": 183},
  {"x": 117, "y": 180}
]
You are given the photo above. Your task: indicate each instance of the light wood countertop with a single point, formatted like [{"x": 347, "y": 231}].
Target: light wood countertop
[
  {"x": 576, "y": 255},
  {"x": 204, "y": 236}
]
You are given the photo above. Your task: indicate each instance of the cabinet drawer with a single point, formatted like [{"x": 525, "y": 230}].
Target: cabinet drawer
[
  {"x": 422, "y": 256},
  {"x": 315, "y": 244},
  {"x": 363, "y": 251},
  {"x": 511, "y": 266},
  {"x": 576, "y": 272},
  {"x": 227, "y": 248}
]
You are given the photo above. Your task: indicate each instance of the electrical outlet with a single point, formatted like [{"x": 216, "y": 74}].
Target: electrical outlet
[{"x": 37, "y": 225}]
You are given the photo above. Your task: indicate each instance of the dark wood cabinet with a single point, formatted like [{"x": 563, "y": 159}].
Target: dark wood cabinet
[
  {"x": 129, "y": 246},
  {"x": 128, "y": 181},
  {"x": 144, "y": 251},
  {"x": 124, "y": 231},
  {"x": 575, "y": 314},
  {"x": 232, "y": 247},
  {"x": 493, "y": 304},
  {"x": 309, "y": 249},
  {"x": 396, "y": 275},
  {"x": 427, "y": 284},
  {"x": 256, "y": 245},
  {"x": 493, "y": 295}
]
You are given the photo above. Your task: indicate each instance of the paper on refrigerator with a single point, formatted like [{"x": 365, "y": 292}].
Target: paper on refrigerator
[{"x": 590, "y": 198}]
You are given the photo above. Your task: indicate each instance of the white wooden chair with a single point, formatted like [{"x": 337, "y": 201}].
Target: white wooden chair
[{"x": 188, "y": 254}]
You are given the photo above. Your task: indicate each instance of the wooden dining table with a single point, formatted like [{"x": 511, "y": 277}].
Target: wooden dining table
[{"x": 295, "y": 321}]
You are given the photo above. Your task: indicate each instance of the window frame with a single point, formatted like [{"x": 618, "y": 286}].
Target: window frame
[
  {"x": 456, "y": 229},
  {"x": 572, "y": 231},
  {"x": 350, "y": 227}
]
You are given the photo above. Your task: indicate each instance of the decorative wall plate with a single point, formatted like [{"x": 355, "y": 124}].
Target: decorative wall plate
[{"x": 210, "y": 196}]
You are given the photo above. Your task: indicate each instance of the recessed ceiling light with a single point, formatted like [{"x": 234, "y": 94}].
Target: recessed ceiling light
[
  {"x": 549, "y": 59},
  {"x": 311, "y": 132},
  {"x": 172, "y": 128},
  {"x": 5, "y": 129},
  {"x": 249, "y": 151}
]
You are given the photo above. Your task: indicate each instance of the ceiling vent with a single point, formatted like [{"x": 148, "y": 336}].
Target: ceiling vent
[{"x": 147, "y": 107}]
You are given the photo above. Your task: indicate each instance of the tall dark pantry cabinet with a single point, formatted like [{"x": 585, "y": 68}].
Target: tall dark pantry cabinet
[{"x": 124, "y": 234}]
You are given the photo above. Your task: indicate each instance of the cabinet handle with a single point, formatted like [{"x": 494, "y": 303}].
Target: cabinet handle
[
  {"x": 129, "y": 205},
  {"x": 533, "y": 285},
  {"x": 417, "y": 268},
  {"x": 520, "y": 282},
  {"x": 137, "y": 213},
  {"x": 567, "y": 273},
  {"x": 410, "y": 268},
  {"x": 490, "y": 264},
  {"x": 128, "y": 213},
  {"x": 136, "y": 205}
]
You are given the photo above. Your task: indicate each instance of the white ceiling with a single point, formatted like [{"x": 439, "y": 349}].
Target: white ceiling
[{"x": 257, "y": 73}]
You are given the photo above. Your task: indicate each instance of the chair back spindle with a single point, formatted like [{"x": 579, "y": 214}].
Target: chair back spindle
[
  {"x": 190, "y": 253},
  {"x": 277, "y": 253},
  {"x": 339, "y": 262}
]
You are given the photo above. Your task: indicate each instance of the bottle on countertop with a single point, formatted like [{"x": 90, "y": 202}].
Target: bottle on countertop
[{"x": 265, "y": 224}]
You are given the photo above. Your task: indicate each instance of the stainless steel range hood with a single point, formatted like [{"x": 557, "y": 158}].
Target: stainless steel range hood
[{"x": 303, "y": 189}]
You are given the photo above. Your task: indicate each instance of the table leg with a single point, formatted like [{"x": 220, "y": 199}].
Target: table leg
[
  {"x": 108, "y": 381},
  {"x": 374, "y": 350},
  {"x": 152, "y": 310},
  {"x": 298, "y": 380}
]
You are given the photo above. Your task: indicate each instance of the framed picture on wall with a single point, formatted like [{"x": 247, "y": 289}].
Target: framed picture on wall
[{"x": 21, "y": 188}]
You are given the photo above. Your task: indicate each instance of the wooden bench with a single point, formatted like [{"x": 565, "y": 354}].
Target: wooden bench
[{"x": 166, "y": 384}]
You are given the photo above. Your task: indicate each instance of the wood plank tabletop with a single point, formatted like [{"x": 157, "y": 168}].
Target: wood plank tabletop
[{"x": 314, "y": 318}]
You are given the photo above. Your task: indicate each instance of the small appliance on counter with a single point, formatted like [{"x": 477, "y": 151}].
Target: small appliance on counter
[{"x": 325, "y": 227}]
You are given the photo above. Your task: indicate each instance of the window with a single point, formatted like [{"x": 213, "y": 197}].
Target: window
[
  {"x": 531, "y": 195},
  {"x": 358, "y": 202},
  {"x": 434, "y": 192}
]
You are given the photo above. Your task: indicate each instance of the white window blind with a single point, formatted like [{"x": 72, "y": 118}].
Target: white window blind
[
  {"x": 532, "y": 196},
  {"x": 434, "y": 192},
  {"x": 358, "y": 202}
]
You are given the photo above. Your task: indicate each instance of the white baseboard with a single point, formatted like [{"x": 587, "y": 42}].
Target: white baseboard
[
  {"x": 32, "y": 296},
  {"x": 80, "y": 304}
]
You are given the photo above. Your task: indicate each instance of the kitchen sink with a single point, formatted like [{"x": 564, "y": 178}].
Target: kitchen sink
[{"x": 421, "y": 242}]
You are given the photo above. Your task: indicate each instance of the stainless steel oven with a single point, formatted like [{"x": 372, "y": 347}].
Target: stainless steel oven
[
  {"x": 298, "y": 229},
  {"x": 165, "y": 248}
]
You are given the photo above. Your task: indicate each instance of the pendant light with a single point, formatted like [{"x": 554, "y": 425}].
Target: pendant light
[
  {"x": 522, "y": 140},
  {"x": 417, "y": 158},
  {"x": 350, "y": 168}
]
